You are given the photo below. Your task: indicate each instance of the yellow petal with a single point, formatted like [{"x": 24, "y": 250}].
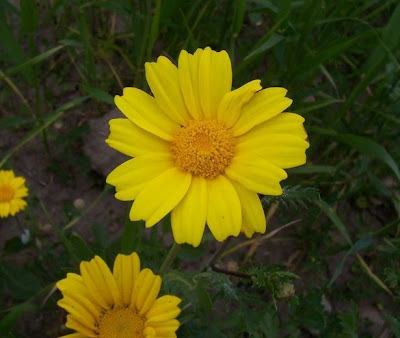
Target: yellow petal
[
  {"x": 95, "y": 285},
  {"x": 162, "y": 77},
  {"x": 188, "y": 73},
  {"x": 188, "y": 218},
  {"x": 6, "y": 176},
  {"x": 21, "y": 192},
  {"x": 232, "y": 102},
  {"x": 160, "y": 196},
  {"x": 74, "y": 335},
  {"x": 4, "y": 209},
  {"x": 17, "y": 182},
  {"x": 285, "y": 123},
  {"x": 79, "y": 299},
  {"x": 146, "y": 290},
  {"x": 78, "y": 312},
  {"x": 131, "y": 176},
  {"x": 256, "y": 174},
  {"x": 20, "y": 204},
  {"x": 132, "y": 140},
  {"x": 263, "y": 105},
  {"x": 163, "y": 309},
  {"x": 109, "y": 280},
  {"x": 73, "y": 287},
  {"x": 75, "y": 324},
  {"x": 215, "y": 80},
  {"x": 14, "y": 208},
  {"x": 142, "y": 109},
  {"x": 126, "y": 270},
  {"x": 253, "y": 217},
  {"x": 283, "y": 150},
  {"x": 166, "y": 328},
  {"x": 224, "y": 216},
  {"x": 149, "y": 332}
]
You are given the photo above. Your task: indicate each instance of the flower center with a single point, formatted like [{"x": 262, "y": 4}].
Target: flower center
[
  {"x": 121, "y": 323},
  {"x": 204, "y": 148},
  {"x": 6, "y": 193}
]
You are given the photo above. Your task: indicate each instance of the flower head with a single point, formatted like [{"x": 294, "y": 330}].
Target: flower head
[
  {"x": 201, "y": 150},
  {"x": 12, "y": 192},
  {"x": 122, "y": 303}
]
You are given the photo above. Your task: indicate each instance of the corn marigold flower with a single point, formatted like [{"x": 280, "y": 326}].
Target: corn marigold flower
[
  {"x": 122, "y": 303},
  {"x": 201, "y": 150},
  {"x": 12, "y": 192}
]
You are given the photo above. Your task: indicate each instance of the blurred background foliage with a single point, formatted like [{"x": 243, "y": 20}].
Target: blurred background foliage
[{"x": 337, "y": 269}]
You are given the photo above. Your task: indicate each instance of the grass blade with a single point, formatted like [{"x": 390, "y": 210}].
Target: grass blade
[
  {"x": 154, "y": 30},
  {"x": 369, "y": 148},
  {"x": 33, "y": 61},
  {"x": 335, "y": 220},
  {"x": 48, "y": 121}
]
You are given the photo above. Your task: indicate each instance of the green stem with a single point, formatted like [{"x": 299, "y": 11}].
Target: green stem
[{"x": 169, "y": 259}]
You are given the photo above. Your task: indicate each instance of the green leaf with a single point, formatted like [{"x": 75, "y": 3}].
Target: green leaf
[
  {"x": 100, "y": 235},
  {"x": 48, "y": 121},
  {"x": 99, "y": 94},
  {"x": 268, "y": 44},
  {"x": 154, "y": 30},
  {"x": 15, "y": 122},
  {"x": 369, "y": 148},
  {"x": 335, "y": 220},
  {"x": 350, "y": 322},
  {"x": 8, "y": 322},
  {"x": 394, "y": 325},
  {"x": 78, "y": 248},
  {"x": 238, "y": 17},
  {"x": 204, "y": 298},
  {"x": 131, "y": 236},
  {"x": 358, "y": 246},
  {"x": 313, "y": 169},
  {"x": 13, "y": 50},
  {"x": 190, "y": 253},
  {"x": 21, "y": 283},
  {"x": 33, "y": 61},
  {"x": 389, "y": 41},
  {"x": 29, "y": 16},
  {"x": 270, "y": 324},
  {"x": 13, "y": 245}
]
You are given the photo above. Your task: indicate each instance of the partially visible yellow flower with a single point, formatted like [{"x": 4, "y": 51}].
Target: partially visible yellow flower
[
  {"x": 201, "y": 150},
  {"x": 118, "y": 304},
  {"x": 12, "y": 190}
]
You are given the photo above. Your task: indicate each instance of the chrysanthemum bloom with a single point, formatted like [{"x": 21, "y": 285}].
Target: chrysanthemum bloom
[
  {"x": 202, "y": 151},
  {"x": 118, "y": 304},
  {"x": 12, "y": 192}
]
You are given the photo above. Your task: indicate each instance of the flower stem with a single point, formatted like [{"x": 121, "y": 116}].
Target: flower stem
[
  {"x": 169, "y": 259},
  {"x": 218, "y": 254}
]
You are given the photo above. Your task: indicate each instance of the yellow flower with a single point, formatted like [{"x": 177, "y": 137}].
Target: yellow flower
[
  {"x": 12, "y": 190},
  {"x": 121, "y": 304},
  {"x": 202, "y": 151}
]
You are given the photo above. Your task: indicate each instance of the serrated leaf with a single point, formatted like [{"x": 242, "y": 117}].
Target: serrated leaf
[
  {"x": 350, "y": 322},
  {"x": 394, "y": 325}
]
